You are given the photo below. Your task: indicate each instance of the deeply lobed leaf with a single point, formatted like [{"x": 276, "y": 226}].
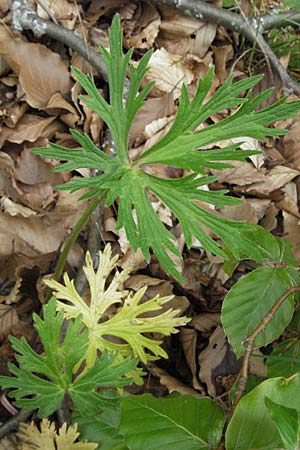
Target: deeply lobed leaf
[{"x": 183, "y": 146}]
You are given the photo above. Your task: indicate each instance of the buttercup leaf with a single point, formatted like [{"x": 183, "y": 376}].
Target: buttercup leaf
[{"x": 128, "y": 183}]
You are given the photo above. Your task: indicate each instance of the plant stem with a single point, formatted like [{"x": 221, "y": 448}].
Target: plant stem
[
  {"x": 249, "y": 341},
  {"x": 73, "y": 236}
]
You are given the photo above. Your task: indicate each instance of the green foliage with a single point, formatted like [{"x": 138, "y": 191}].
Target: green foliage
[
  {"x": 288, "y": 359},
  {"x": 251, "y": 426},
  {"x": 287, "y": 422},
  {"x": 127, "y": 180},
  {"x": 41, "y": 381},
  {"x": 103, "y": 428},
  {"x": 177, "y": 421},
  {"x": 130, "y": 322},
  {"x": 249, "y": 300}
]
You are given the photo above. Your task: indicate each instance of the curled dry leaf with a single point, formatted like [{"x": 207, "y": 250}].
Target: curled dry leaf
[
  {"x": 180, "y": 34},
  {"x": 188, "y": 338},
  {"x": 65, "y": 12},
  {"x": 8, "y": 320},
  {"x": 29, "y": 128},
  {"x": 169, "y": 73},
  {"x": 15, "y": 209},
  {"x": 142, "y": 29},
  {"x": 217, "y": 360},
  {"x": 171, "y": 383},
  {"x": 34, "y": 64}
]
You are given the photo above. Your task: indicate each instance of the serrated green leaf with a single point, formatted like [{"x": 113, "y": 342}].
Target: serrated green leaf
[
  {"x": 59, "y": 364},
  {"x": 288, "y": 359},
  {"x": 182, "y": 422},
  {"x": 249, "y": 300},
  {"x": 127, "y": 182},
  {"x": 287, "y": 422},
  {"x": 251, "y": 426}
]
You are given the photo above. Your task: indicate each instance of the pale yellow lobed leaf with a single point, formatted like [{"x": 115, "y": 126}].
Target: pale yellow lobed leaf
[
  {"x": 122, "y": 333},
  {"x": 31, "y": 438}
]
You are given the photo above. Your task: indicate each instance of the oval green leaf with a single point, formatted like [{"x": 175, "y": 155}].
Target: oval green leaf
[
  {"x": 251, "y": 426},
  {"x": 177, "y": 421},
  {"x": 249, "y": 300}
]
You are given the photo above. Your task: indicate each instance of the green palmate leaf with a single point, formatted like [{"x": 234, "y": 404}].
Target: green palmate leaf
[
  {"x": 58, "y": 364},
  {"x": 287, "y": 422},
  {"x": 248, "y": 302},
  {"x": 288, "y": 359},
  {"x": 132, "y": 320},
  {"x": 128, "y": 183},
  {"x": 181, "y": 422},
  {"x": 251, "y": 426}
]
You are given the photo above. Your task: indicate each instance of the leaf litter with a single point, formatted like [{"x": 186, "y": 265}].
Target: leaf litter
[{"x": 39, "y": 102}]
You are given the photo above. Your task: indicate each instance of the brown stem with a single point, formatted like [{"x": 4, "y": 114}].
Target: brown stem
[{"x": 249, "y": 341}]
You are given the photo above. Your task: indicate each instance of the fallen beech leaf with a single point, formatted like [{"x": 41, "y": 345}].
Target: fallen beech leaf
[
  {"x": 188, "y": 338},
  {"x": 291, "y": 232},
  {"x": 180, "y": 34},
  {"x": 8, "y": 320},
  {"x": 171, "y": 383},
  {"x": 216, "y": 360},
  {"x": 169, "y": 72},
  {"x": 291, "y": 146},
  {"x": 34, "y": 64},
  {"x": 144, "y": 29},
  {"x": 8, "y": 184},
  {"x": 15, "y": 209},
  {"x": 32, "y": 169},
  {"x": 65, "y": 12},
  {"x": 29, "y": 128}
]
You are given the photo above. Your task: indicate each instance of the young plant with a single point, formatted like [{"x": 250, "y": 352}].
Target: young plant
[
  {"x": 127, "y": 181},
  {"x": 72, "y": 367}
]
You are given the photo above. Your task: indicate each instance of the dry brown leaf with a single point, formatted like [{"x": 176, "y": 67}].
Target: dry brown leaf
[
  {"x": 172, "y": 383},
  {"x": 65, "y": 12},
  {"x": 46, "y": 438},
  {"x": 222, "y": 54},
  {"x": 157, "y": 286},
  {"x": 188, "y": 338},
  {"x": 15, "y": 209},
  {"x": 275, "y": 179},
  {"x": 153, "y": 109},
  {"x": 29, "y": 128},
  {"x": 291, "y": 232},
  {"x": 169, "y": 73},
  {"x": 32, "y": 169},
  {"x": 180, "y": 34},
  {"x": 206, "y": 321},
  {"x": 141, "y": 29},
  {"x": 216, "y": 360},
  {"x": 289, "y": 202},
  {"x": 251, "y": 211},
  {"x": 291, "y": 146},
  {"x": 8, "y": 184},
  {"x": 8, "y": 320},
  {"x": 34, "y": 64}
]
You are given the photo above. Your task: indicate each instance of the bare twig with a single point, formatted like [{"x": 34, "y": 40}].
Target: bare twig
[
  {"x": 249, "y": 27},
  {"x": 249, "y": 341},
  {"x": 13, "y": 422},
  {"x": 23, "y": 18}
]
